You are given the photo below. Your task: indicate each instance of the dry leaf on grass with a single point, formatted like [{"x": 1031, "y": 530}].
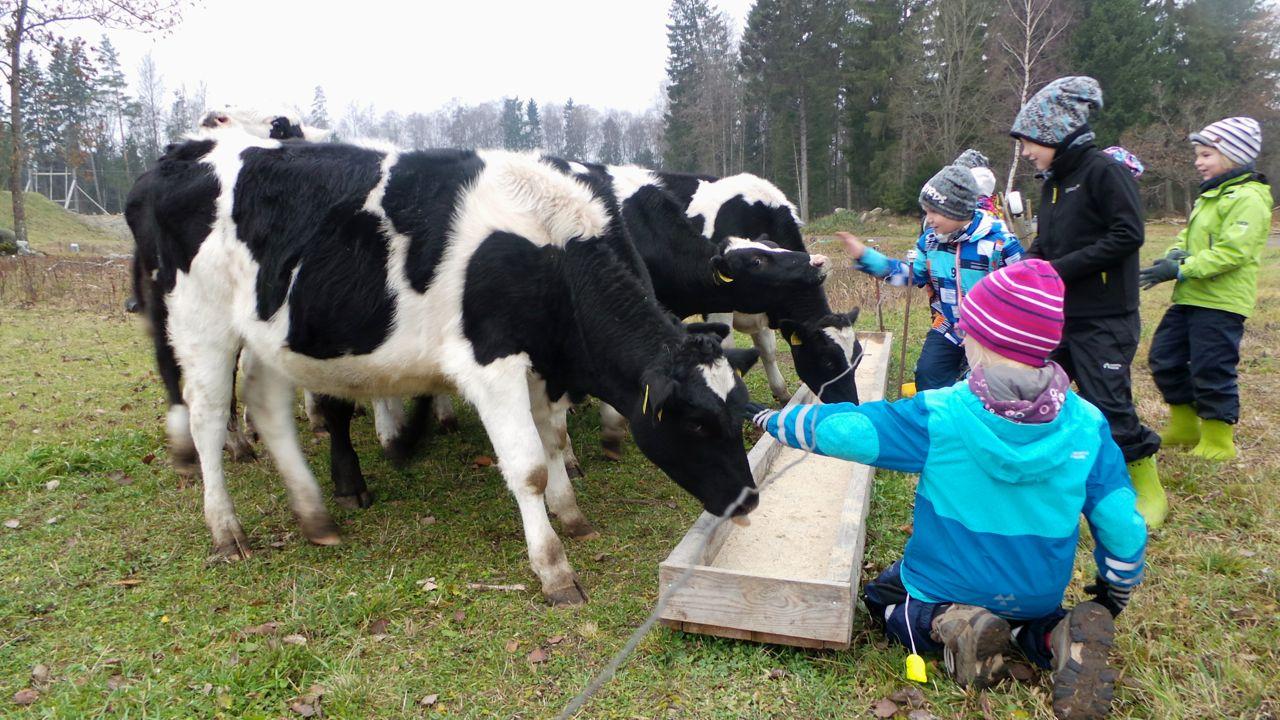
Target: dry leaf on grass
[
  {"x": 53, "y": 485},
  {"x": 378, "y": 628},
  {"x": 482, "y": 461},
  {"x": 428, "y": 584},
  {"x": 294, "y": 640},
  {"x": 148, "y": 458},
  {"x": 306, "y": 710},
  {"x": 911, "y": 697},
  {"x": 13, "y": 523},
  {"x": 511, "y": 646},
  {"x": 25, "y": 697},
  {"x": 518, "y": 587},
  {"x": 777, "y": 674},
  {"x": 40, "y": 675},
  {"x": 884, "y": 708},
  {"x": 555, "y": 640},
  {"x": 128, "y": 582},
  {"x": 459, "y": 616},
  {"x": 429, "y": 700},
  {"x": 121, "y": 477},
  {"x": 538, "y": 656},
  {"x": 117, "y": 681},
  {"x": 921, "y": 715}
]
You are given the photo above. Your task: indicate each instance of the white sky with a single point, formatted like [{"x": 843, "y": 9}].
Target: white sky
[{"x": 414, "y": 56}]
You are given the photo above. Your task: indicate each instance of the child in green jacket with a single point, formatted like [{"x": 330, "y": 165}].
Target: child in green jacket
[{"x": 1215, "y": 265}]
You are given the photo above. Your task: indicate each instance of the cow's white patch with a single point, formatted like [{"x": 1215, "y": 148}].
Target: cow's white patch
[
  {"x": 628, "y": 179},
  {"x": 257, "y": 122},
  {"x": 844, "y": 337},
  {"x": 711, "y": 196},
  {"x": 719, "y": 376},
  {"x": 736, "y": 244},
  {"x": 578, "y": 168},
  {"x": 177, "y": 424}
]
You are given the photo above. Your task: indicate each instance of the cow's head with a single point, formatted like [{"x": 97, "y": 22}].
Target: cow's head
[
  {"x": 761, "y": 267},
  {"x": 264, "y": 125},
  {"x": 825, "y": 351},
  {"x": 688, "y": 420}
]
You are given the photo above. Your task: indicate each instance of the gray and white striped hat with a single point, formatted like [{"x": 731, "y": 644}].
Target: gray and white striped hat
[{"x": 1239, "y": 138}]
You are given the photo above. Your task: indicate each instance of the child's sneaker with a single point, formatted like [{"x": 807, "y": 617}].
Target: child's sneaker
[
  {"x": 974, "y": 641},
  {"x": 1082, "y": 681}
]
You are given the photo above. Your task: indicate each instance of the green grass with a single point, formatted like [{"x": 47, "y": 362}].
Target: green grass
[
  {"x": 51, "y": 229},
  {"x": 80, "y": 405}
]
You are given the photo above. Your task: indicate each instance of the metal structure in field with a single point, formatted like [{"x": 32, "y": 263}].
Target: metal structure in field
[{"x": 791, "y": 577}]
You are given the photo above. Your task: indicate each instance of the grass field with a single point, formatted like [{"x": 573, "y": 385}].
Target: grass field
[
  {"x": 52, "y": 230},
  {"x": 105, "y": 592}
]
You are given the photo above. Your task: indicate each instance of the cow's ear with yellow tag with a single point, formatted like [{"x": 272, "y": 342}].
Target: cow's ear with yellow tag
[{"x": 792, "y": 332}]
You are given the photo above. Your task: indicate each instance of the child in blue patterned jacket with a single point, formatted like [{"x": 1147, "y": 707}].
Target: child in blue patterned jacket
[
  {"x": 1008, "y": 460},
  {"x": 959, "y": 240}
]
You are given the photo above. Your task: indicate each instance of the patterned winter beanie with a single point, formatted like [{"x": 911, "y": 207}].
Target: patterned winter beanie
[
  {"x": 1058, "y": 110},
  {"x": 972, "y": 159},
  {"x": 953, "y": 192},
  {"x": 1016, "y": 312},
  {"x": 1239, "y": 138}
]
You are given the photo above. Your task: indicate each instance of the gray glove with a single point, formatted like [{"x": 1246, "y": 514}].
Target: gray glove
[{"x": 1177, "y": 255}]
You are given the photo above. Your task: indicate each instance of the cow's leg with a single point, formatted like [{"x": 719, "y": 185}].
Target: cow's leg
[
  {"x": 725, "y": 319},
  {"x": 240, "y": 446},
  {"x": 315, "y": 418},
  {"x": 209, "y": 362},
  {"x": 553, "y": 427},
  {"x": 349, "y": 489},
  {"x": 270, "y": 396},
  {"x": 182, "y": 447},
  {"x": 767, "y": 344},
  {"x": 500, "y": 393},
  {"x": 446, "y": 418},
  {"x": 388, "y": 419},
  {"x": 613, "y": 430},
  {"x": 571, "y": 464},
  {"x": 416, "y": 428}
]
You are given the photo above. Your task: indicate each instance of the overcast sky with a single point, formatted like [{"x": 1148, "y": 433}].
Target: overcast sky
[{"x": 414, "y": 56}]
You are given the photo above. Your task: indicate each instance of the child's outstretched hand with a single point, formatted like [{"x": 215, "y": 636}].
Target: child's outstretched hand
[
  {"x": 852, "y": 244},
  {"x": 758, "y": 414}
]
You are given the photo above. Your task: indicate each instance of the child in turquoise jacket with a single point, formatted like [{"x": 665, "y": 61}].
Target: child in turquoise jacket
[
  {"x": 961, "y": 244},
  {"x": 1008, "y": 461}
]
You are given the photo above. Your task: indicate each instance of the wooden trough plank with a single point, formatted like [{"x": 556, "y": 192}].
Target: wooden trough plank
[{"x": 805, "y": 612}]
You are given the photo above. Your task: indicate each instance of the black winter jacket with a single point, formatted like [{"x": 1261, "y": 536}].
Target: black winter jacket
[{"x": 1090, "y": 229}]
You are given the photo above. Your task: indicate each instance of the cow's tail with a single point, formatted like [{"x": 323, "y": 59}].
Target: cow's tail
[{"x": 564, "y": 206}]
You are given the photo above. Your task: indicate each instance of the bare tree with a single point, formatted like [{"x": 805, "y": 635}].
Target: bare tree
[
  {"x": 1033, "y": 27},
  {"x": 150, "y": 107},
  {"x": 35, "y": 21}
]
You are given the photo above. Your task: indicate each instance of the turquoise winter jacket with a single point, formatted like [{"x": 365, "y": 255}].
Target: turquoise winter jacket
[{"x": 998, "y": 503}]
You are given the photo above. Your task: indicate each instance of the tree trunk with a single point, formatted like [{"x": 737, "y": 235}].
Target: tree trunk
[
  {"x": 15, "y": 124},
  {"x": 804, "y": 161}
]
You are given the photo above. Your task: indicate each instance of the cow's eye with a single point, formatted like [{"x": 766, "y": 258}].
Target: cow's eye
[
  {"x": 696, "y": 428},
  {"x": 757, "y": 261}
]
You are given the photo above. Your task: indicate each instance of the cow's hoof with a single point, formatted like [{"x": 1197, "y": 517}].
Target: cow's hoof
[
  {"x": 574, "y": 470},
  {"x": 233, "y": 548},
  {"x": 581, "y": 530},
  {"x": 187, "y": 468},
  {"x": 567, "y": 596},
  {"x": 399, "y": 452},
  {"x": 612, "y": 449},
  {"x": 320, "y": 530},
  {"x": 240, "y": 448},
  {"x": 359, "y": 501}
]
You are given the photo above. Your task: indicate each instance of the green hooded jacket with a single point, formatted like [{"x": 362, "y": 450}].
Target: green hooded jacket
[{"x": 1224, "y": 239}]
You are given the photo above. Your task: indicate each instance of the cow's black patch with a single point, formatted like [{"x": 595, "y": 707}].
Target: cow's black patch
[
  {"x": 739, "y": 218},
  {"x": 420, "y": 199},
  {"x": 299, "y": 210}
]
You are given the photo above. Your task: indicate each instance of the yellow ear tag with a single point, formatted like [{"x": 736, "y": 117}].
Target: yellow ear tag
[
  {"x": 915, "y": 669},
  {"x": 723, "y": 278},
  {"x": 794, "y": 339},
  {"x": 644, "y": 406}
]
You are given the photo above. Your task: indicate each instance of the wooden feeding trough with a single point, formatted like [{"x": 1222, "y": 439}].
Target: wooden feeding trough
[{"x": 791, "y": 576}]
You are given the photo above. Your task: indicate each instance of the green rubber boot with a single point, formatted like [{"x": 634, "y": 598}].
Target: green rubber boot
[
  {"x": 1217, "y": 441},
  {"x": 1152, "y": 503},
  {"x": 1183, "y": 427}
]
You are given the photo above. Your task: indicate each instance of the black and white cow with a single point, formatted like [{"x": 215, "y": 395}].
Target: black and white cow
[
  {"x": 367, "y": 272},
  {"x": 746, "y": 205},
  {"x": 693, "y": 274},
  {"x": 276, "y": 126}
]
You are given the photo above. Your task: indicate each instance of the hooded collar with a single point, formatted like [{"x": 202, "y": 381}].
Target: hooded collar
[
  {"x": 1226, "y": 178},
  {"x": 1071, "y": 152}
]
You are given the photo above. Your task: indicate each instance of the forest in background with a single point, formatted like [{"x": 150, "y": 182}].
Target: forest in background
[{"x": 843, "y": 103}]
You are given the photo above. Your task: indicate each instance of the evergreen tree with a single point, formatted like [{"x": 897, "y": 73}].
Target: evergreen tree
[
  {"x": 531, "y": 130},
  {"x": 319, "y": 115},
  {"x": 1117, "y": 42},
  {"x": 512, "y": 124},
  {"x": 575, "y": 145}
]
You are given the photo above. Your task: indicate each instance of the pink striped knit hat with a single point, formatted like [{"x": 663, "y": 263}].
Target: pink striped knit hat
[{"x": 1016, "y": 312}]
